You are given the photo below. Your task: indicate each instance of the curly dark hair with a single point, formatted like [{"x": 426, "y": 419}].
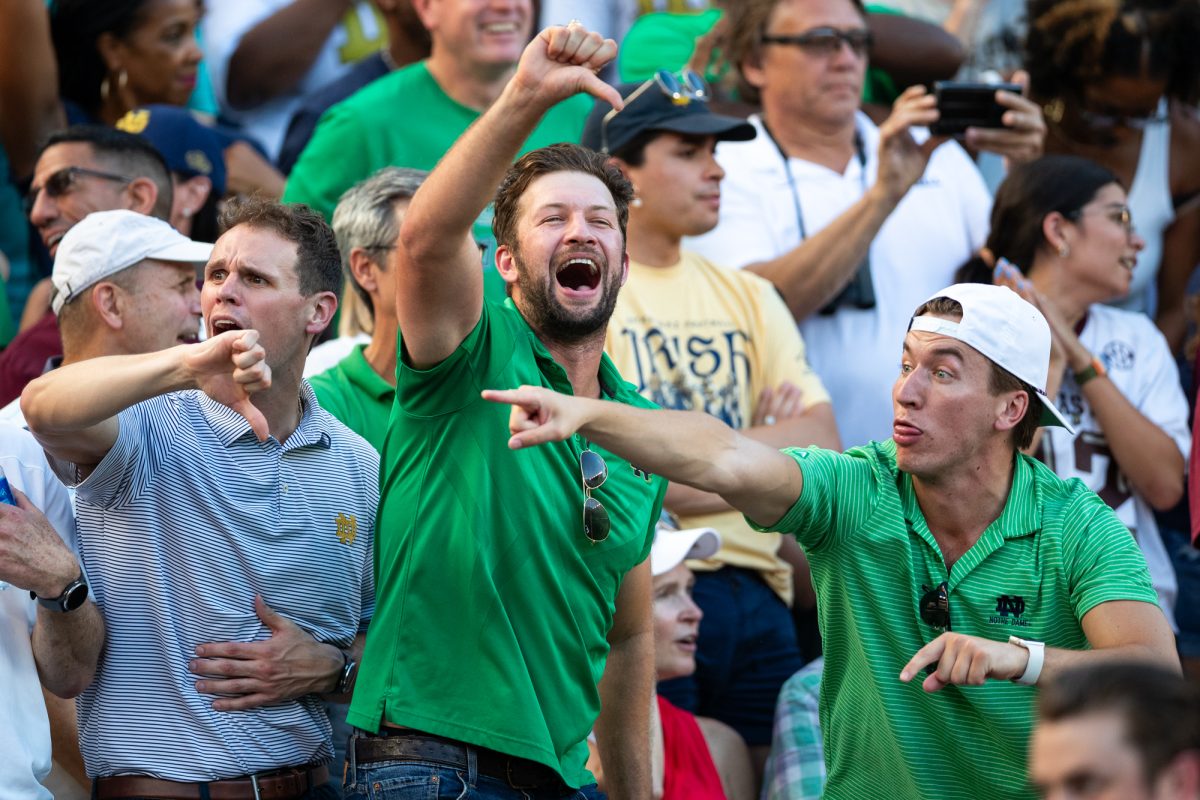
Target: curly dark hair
[{"x": 1071, "y": 43}]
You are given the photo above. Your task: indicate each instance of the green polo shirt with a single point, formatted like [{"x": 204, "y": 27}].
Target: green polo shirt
[
  {"x": 354, "y": 393},
  {"x": 1054, "y": 553},
  {"x": 492, "y": 606}
]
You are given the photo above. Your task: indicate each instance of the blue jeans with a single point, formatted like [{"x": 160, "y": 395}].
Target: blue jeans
[{"x": 423, "y": 780}]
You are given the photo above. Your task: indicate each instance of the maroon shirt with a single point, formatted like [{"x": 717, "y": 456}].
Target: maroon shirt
[{"x": 26, "y": 355}]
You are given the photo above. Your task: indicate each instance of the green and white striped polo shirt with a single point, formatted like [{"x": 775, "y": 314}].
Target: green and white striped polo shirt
[{"x": 1054, "y": 553}]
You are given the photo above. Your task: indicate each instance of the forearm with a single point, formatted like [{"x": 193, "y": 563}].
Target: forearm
[
  {"x": 814, "y": 427},
  {"x": 1060, "y": 660},
  {"x": 812, "y": 273},
  {"x": 29, "y": 103},
  {"x": 78, "y": 396},
  {"x": 278, "y": 52},
  {"x": 464, "y": 183},
  {"x": 623, "y": 727},
  {"x": 67, "y": 646},
  {"x": 1146, "y": 455},
  {"x": 354, "y": 651}
]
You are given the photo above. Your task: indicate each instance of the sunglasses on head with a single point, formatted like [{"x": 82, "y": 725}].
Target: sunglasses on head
[
  {"x": 62, "y": 181},
  {"x": 682, "y": 89},
  {"x": 824, "y": 41},
  {"x": 595, "y": 516}
]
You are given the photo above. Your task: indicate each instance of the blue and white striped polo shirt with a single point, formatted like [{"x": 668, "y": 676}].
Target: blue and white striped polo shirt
[{"x": 185, "y": 519}]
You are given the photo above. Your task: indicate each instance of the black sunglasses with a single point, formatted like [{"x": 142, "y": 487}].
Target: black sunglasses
[
  {"x": 595, "y": 517},
  {"x": 935, "y": 606},
  {"x": 824, "y": 41},
  {"x": 60, "y": 182}
]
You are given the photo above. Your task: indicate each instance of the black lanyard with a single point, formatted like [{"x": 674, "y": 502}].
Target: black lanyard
[{"x": 859, "y": 152}]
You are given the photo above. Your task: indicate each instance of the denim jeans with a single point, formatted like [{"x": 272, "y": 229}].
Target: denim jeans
[{"x": 422, "y": 780}]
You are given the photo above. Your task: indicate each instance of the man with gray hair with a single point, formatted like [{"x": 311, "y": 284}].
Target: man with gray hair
[{"x": 359, "y": 389}]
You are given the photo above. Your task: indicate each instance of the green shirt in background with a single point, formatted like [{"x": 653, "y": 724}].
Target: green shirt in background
[
  {"x": 492, "y": 606},
  {"x": 665, "y": 40},
  {"x": 1055, "y": 552},
  {"x": 354, "y": 393},
  {"x": 403, "y": 119}
]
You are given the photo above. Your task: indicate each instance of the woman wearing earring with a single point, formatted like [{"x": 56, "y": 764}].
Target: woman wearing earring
[
  {"x": 1063, "y": 237},
  {"x": 1119, "y": 80}
]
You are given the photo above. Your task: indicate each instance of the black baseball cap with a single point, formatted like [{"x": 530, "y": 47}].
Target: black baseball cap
[{"x": 654, "y": 110}]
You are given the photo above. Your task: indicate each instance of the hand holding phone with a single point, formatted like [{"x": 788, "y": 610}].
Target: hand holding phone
[{"x": 968, "y": 105}]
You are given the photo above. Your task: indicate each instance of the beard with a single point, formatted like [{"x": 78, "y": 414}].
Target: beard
[{"x": 547, "y": 315}]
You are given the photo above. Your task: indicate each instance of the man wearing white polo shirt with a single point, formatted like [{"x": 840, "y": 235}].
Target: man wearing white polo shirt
[{"x": 227, "y": 539}]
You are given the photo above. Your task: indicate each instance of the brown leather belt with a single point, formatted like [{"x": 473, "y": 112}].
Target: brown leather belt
[
  {"x": 405, "y": 745},
  {"x": 286, "y": 784}
]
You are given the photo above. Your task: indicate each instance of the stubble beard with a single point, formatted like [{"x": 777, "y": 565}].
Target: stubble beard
[{"x": 555, "y": 321}]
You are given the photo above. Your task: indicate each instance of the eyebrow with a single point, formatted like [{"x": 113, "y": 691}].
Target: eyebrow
[
  {"x": 942, "y": 351},
  {"x": 563, "y": 205}
]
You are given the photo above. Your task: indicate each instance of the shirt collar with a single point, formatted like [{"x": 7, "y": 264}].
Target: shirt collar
[
  {"x": 229, "y": 426},
  {"x": 364, "y": 377}
]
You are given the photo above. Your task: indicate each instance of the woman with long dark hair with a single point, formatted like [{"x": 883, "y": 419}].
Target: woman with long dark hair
[{"x": 1062, "y": 235}]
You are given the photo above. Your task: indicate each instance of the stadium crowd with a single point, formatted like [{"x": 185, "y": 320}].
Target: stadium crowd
[{"x": 673, "y": 399}]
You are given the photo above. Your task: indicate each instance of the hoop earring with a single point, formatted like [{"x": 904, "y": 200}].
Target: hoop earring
[{"x": 106, "y": 87}]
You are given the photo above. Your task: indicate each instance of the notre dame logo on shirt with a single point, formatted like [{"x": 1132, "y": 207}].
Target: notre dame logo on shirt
[
  {"x": 1010, "y": 608},
  {"x": 347, "y": 528}
]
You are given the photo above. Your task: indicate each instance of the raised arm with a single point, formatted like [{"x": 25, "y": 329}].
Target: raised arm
[
  {"x": 690, "y": 447},
  {"x": 29, "y": 105},
  {"x": 73, "y": 410},
  {"x": 439, "y": 285}
]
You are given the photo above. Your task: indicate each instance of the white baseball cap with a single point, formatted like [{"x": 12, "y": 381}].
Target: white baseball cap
[
  {"x": 671, "y": 547},
  {"x": 105, "y": 242},
  {"x": 1009, "y": 331}
]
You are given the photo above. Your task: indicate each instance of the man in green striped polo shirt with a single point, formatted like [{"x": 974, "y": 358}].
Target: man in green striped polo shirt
[{"x": 943, "y": 550}]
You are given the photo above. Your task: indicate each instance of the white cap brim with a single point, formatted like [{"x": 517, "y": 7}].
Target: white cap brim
[{"x": 671, "y": 548}]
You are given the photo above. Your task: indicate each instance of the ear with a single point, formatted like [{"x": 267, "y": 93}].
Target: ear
[
  {"x": 1010, "y": 409},
  {"x": 109, "y": 302},
  {"x": 506, "y": 264},
  {"x": 621, "y": 165},
  {"x": 190, "y": 195},
  {"x": 1055, "y": 229},
  {"x": 426, "y": 12},
  {"x": 322, "y": 307},
  {"x": 752, "y": 70},
  {"x": 363, "y": 269},
  {"x": 143, "y": 194},
  {"x": 109, "y": 47},
  {"x": 624, "y": 267},
  {"x": 1181, "y": 778}
]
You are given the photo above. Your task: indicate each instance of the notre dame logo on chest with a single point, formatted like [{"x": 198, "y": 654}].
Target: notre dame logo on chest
[{"x": 1010, "y": 610}]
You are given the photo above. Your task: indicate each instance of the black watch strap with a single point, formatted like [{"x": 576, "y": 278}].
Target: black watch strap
[
  {"x": 347, "y": 675},
  {"x": 71, "y": 598}
]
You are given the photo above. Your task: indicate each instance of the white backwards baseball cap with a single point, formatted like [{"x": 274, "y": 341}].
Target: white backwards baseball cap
[
  {"x": 671, "y": 546},
  {"x": 105, "y": 242},
  {"x": 1006, "y": 329}
]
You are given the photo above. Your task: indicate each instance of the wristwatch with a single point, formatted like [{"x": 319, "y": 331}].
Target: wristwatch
[
  {"x": 1037, "y": 656},
  {"x": 71, "y": 598},
  {"x": 346, "y": 676}
]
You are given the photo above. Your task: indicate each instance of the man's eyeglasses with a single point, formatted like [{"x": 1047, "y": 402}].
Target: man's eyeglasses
[
  {"x": 935, "y": 606},
  {"x": 682, "y": 89},
  {"x": 595, "y": 517},
  {"x": 60, "y": 182},
  {"x": 1106, "y": 122},
  {"x": 824, "y": 41}
]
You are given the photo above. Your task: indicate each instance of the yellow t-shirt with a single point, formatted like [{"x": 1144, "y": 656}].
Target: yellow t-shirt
[{"x": 702, "y": 337}]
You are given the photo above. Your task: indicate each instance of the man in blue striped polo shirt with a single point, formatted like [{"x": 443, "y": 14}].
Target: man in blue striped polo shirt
[
  {"x": 942, "y": 549},
  {"x": 227, "y": 538}
]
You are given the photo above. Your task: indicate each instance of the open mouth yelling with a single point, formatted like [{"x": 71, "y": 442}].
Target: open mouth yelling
[
  {"x": 224, "y": 324},
  {"x": 579, "y": 275}
]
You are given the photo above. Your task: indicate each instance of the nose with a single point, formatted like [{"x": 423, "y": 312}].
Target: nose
[
  {"x": 909, "y": 389},
  {"x": 579, "y": 230},
  {"x": 192, "y": 54},
  {"x": 713, "y": 168},
  {"x": 691, "y": 612},
  {"x": 44, "y": 210},
  {"x": 1136, "y": 240}
]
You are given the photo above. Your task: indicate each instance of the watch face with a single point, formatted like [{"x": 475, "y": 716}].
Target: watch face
[{"x": 75, "y": 596}]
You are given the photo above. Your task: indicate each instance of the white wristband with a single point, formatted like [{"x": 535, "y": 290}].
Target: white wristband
[{"x": 1037, "y": 656}]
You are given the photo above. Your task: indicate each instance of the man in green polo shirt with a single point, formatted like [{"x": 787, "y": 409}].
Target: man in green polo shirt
[
  {"x": 513, "y": 609},
  {"x": 943, "y": 549},
  {"x": 361, "y": 388}
]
